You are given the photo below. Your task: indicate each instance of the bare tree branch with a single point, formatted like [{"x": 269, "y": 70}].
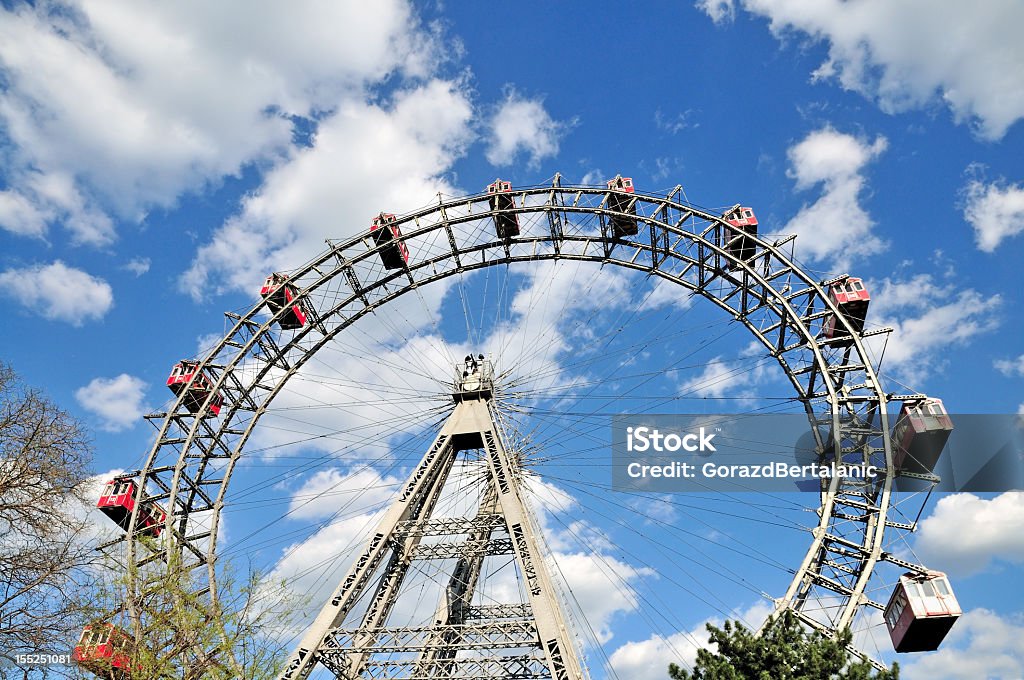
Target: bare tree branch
[{"x": 44, "y": 458}]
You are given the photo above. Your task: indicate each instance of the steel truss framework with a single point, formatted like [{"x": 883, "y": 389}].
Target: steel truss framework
[
  {"x": 189, "y": 467},
  {"x": 535, "y": 631}
]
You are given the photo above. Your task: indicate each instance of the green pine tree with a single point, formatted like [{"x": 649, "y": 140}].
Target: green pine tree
[{"x": 784, "y": 651}]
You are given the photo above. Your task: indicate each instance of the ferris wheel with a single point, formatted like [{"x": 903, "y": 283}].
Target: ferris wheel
[{"x": 443, "y": 381}]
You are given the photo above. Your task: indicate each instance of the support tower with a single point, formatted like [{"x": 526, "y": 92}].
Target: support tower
[{"x": 363, "y": 632}]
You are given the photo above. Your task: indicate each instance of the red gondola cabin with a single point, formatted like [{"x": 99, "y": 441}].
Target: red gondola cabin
[
  {"x": 620, "y": 200},
  {"x": 852, "y": 298},
  {"x": 102, "y": 650},
  {"x": 282, "y": 294},
  {"x": 920, "y": 434},
  {"x": 499, "y": 196},
  {"x": 386, "y": 234},
  {"x": 744, "y": 224},
  {"x": 196, "y": 384},
  {"x": 117, "y": 501},
  {"x": 921, "y": 611}
]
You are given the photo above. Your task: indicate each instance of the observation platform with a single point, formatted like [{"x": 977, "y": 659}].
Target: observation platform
[{"x": 474, "y": 379}]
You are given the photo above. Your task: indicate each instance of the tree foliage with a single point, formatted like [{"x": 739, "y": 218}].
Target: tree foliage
[
  {"x": 784, "y": 651},
  {"x": 53, "y": 582},
  {"x": 44, "y": 459},
  {"x": 172, "y": 629}
]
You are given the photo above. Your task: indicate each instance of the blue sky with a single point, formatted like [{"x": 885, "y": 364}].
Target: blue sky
[{"x": 159, "y": 161}]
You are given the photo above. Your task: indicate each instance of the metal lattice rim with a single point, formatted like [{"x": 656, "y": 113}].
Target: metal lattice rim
[{"x": 199, "y": 443}]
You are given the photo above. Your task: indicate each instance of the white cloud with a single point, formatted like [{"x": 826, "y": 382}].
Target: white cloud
[
  {"x": 908, "y": 54},
  {"x": 336, "y": 400},
  {"x": 1011, "y": 367},
  {"x": 928, "y": 318},
  {"x": 59, "y": 292},
  {"x": 674, "y": 124},
  {"x": 206, "y": 342},
  {"x": 719, "y": 10},
  {"x": 96, "y": 528},
  {"x": 665, "y": 293},
  {"x": 322, "y": 494},
  {"x": 996, "y": 211},
  {"x": 650, "y": 658},
  {"x": 314, "y": 566},
  {"x": 965, "y": 533},
  {"x": 601, "y": 586},
  {"x": 42, "y": 198},
  {"x": 365, "y": 158},
  {"x": 138, "y": 265},
  {"x": 116, "y": 401},
  {"x": 982, "y": 644},
  {"x": 112, "y": 107},
  {"x": 735, "y": 378},
  {"x": 835, "y": 224},
  {"x": 550, "y": 497},
  {"x": 717, "y": 378},
  {"x": 522, "y": 125},
  {"x": 20, "y": 216}
]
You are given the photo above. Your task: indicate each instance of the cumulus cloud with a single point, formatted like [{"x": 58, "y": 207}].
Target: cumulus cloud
[
  {"x": 112, "y": 108},
  {"x": 1011, "y": 367},
  {"x": 19, "y": 215},
  {"x": 907, "y": 54},
  {"x": 665, "y": 293},
  {"x": 996, "y": 211},
  {"x": 322, "y": 494},
  {"x": 138, "y": 265},
  {"x": 929, "y": 317},
  {"x": 348, "y": 505},
  {"x": 650, "y": 658},
  {"x": 965, "y": 534},
  {"x": 59, "y": 292},
  {"x": 94, "y": 527},
  {"x": 982, "y": 644},
  {"x": 522, "y": 125},
  {"x": 314, "y": 567},
  {"x": 602, "y": 586},
  {"x": 366, "y": 158},
  {"x": 116, "y": 401},
  {"x": 341, "y": 392},
  {"x": 736, "y": 377},
  {"x": 835, "y": 225},
  {"x": 720, "y": 11},
  {"x": 718, "y": 379}
]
